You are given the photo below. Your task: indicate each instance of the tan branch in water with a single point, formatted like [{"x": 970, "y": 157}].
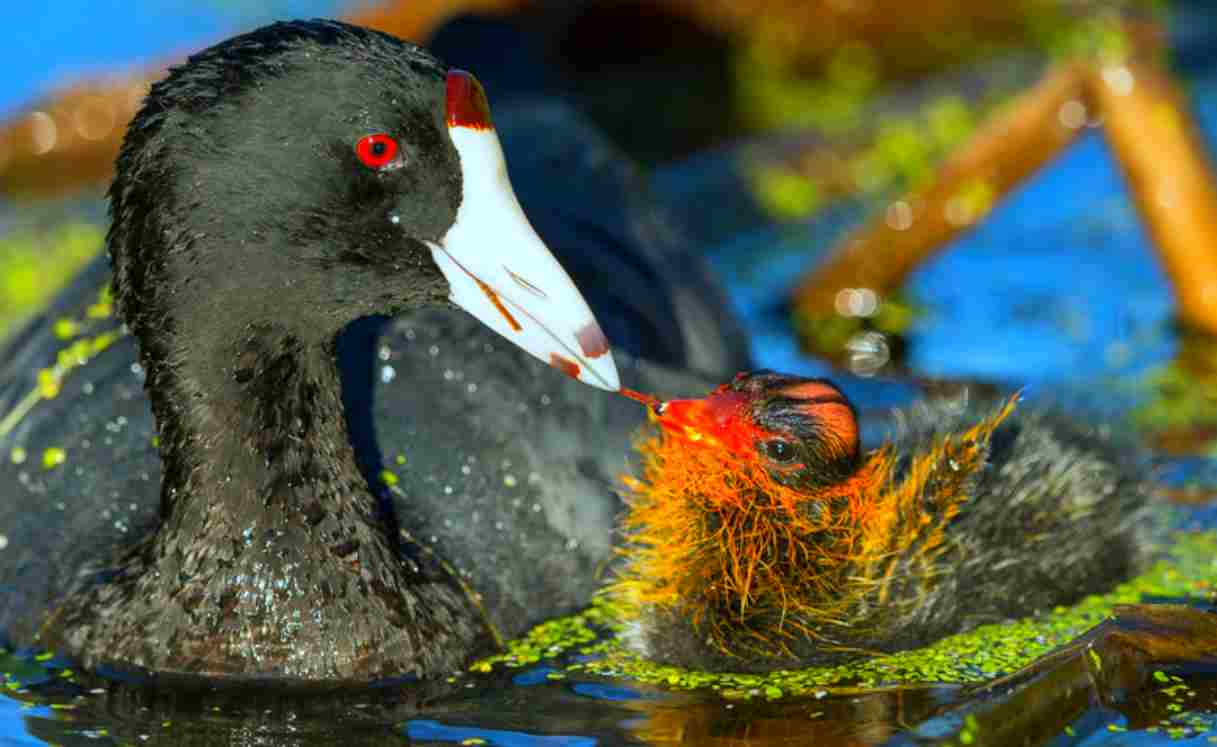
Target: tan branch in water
[
  {"x": 1146, "y": 121},
  {"x": 1008, "y": 148},
  {"x": 1170, "y": 176}
]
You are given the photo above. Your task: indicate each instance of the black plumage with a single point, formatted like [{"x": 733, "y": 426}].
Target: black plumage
[{"x": 253, "y": 263}]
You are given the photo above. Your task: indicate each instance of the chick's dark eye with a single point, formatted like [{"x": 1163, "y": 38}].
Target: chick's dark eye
[
  {"x": 778, "y": 450},
  {"x": 377, "y": 151}
]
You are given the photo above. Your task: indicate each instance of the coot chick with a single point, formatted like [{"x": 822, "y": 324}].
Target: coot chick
[
  {"x": 760, "y": 537},
  {"x": 273, "y": 189}
]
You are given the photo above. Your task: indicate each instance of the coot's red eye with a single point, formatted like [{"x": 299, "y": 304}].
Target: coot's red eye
[{"x": 376, "y": 151}]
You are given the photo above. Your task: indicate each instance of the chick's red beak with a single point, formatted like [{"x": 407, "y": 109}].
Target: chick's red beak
[{"x": 721, "y": 419}]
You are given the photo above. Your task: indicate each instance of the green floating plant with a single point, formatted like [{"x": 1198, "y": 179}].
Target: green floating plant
[
  {"x": 86, "y": 337},
  {"x": 35, "y": 264},
  {"x": 1179, "y": 398},
  {"x": 892, "y": 149},
  {"x": 1188, "y": 571}
]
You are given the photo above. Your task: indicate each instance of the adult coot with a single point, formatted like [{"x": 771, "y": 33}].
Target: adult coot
[
  {"x": 273, "y": 189},
  {"x": 761, "y": 537}
]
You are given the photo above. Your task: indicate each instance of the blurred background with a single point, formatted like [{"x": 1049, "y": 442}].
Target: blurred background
[
  {"x": 821, "y": 154},
  {"x": 906, "y": 196},
  {"x": 1019, "y": 193}
]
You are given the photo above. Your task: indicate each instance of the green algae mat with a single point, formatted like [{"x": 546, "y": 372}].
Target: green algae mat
[{"x": 1187, "y": 574}]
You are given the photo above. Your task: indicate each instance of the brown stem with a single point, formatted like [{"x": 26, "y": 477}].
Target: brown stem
[
  {"x": 1170, "y": 176},
  {"x": 1008, "y": 148}
]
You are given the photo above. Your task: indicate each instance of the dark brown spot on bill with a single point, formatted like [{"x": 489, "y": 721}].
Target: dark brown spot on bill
[{"x": 592, "y": 341}]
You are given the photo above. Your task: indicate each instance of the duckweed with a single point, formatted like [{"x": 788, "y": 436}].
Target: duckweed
[
  {"x": 1179, "y": 398},
  {"x": 977, "y": 656},
  {"x": 49, "y": 381},
  {"x": 786, "y": 194},
  {"x": 549, "y": 639},
  {"x": 777, "y": 89},
  {"x": 53, "y": 457},
  {"x": 34, "y": 265},
  {"x": 48, "y": 384},
  {"x": 101, "y": 309},
  {"x": 1187, "y": 725},
  {"x": 66, "y": 329},
  {"x": 970, "y": 730}
]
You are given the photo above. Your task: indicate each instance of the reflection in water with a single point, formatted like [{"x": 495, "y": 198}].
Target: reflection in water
[
  {"x": 166, "y": 715},
  {"x": 843, "y": 718},
  {"x": 435, "y": 731},
  {"x": 48, "y": 704},
  {"x": 1149, "y": 669}
]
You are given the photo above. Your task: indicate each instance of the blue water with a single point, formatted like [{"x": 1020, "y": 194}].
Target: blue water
[
  {"x": 47, "y": 44},
  {"x": 1058, "y": 283},
  {"x": 1058, "y": 287}
]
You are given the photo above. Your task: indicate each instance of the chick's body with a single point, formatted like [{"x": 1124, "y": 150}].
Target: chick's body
[{"x": 759, "y": 537}]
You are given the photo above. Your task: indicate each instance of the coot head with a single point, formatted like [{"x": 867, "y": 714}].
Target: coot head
[{"x": 311, "y": 173}]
